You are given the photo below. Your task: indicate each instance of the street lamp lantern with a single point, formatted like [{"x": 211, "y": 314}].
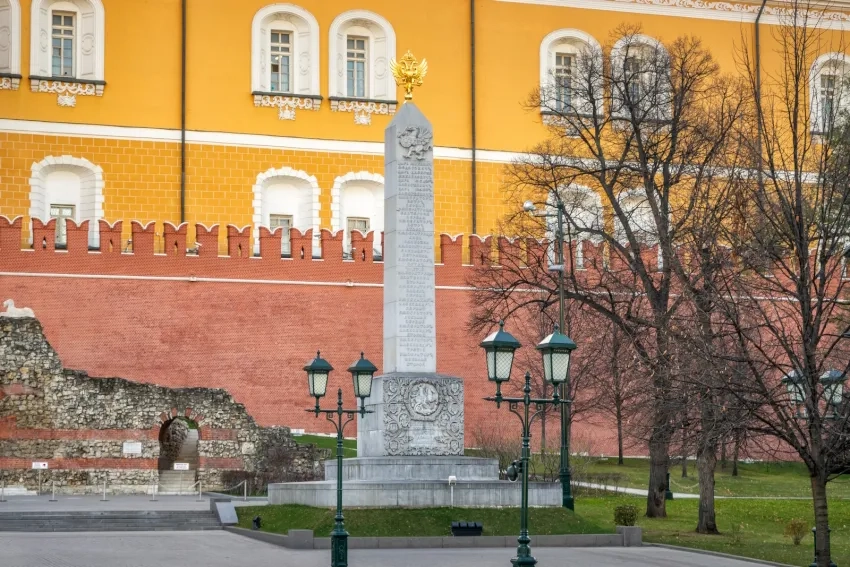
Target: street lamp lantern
[
  {"x": 557, "y": 350},
  {"x": 362, "y": 372},
  {"x": 794, "y": 384},
  {"x": 833, "y": 386},
  {"x": 318, "y": 371},
  {"x": 499, "y": 348}
]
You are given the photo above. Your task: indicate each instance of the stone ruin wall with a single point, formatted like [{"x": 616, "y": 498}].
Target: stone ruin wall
[{"x": 78, "y": 424}]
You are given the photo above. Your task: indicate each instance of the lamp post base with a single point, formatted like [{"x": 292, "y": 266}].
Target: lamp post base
[
  {"x": 524, "y": 560},
  {"x": 339, "y": 548},
  {"x": 567, "y": 500}
]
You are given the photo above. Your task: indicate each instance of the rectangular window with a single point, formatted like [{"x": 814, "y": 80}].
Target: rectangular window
[
  {"x": 356, "y": 223},
  {"x": 63, "y": 44},
  {"x": 284, "y": 222},
  {"x": 563, "y": 80},
  {"x": 356, "y": 66},
  {"x": 827, "y": 101},
  {"x": 61, "y": 213},
  {"x": 632, "y": 75},
  {"x": 281, "y": 49}
]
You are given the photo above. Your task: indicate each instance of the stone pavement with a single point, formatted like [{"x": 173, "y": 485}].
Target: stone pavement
[
  {"x": 93, "y": 503},
  {"x": 223, "y": 549}
]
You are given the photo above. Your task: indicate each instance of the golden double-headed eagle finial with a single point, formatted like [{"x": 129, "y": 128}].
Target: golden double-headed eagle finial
[{"x": 408, "y": 73}]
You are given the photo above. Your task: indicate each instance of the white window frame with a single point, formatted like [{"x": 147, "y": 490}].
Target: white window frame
[
  {"x": 275, "y": 223},
  {"x": 636, "y": 203},
  {"x": 61, "y": 224},
  {"x": 837, "y": 64},
  {"x": 281, "y": 49},
  {"x": 626, "y": 47},
  {"x": 59, "y": 32},
  {"x": 574, "y": 42},
  {"x": 10, "y": 18},
  {"x": 90, "y": 38},
  {"x": 585, "y": 208},
  {"x": 262, "y": 211},
  {"x": 359, "y": 56},
  {"x": 91, "y": 200},
  {"x": 381, "y": 49},
  {"x": 304, "y": 58},
  {"x": 362, "y": 179}
]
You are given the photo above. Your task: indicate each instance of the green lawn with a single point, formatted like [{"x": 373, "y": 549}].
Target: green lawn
[
  {"x": 750, "y": 528},
  {"x": 406, "y": 522},
  {"x": 755, "y": 479},
  {"x": 349, "y": 445}
]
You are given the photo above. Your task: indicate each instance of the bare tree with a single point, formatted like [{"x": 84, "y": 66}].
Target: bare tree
[
  {"x": 631, "y": 152},
  {"x": 785, "y": 307}
]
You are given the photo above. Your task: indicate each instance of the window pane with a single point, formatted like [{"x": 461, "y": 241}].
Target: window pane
[{"x": 69, "y": 20}]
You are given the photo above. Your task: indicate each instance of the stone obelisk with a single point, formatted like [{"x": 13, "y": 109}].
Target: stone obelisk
[{"x": 417, "y": 411}]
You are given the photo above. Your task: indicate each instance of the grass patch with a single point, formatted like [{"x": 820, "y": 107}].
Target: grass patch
[
  {"x": 754, "y": 479},
  {"x": 749, "y": 528},
  {"x": 322, "y": 442},
  {"x": 408, "y": 522}
]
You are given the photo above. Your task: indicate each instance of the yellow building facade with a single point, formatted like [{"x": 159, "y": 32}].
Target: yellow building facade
[{"x": 259, "y": 113}]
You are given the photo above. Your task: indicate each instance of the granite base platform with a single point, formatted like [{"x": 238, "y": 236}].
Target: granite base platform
[
  {"x": 415, "y": 494},
  {"x": 414, "y": 468}
]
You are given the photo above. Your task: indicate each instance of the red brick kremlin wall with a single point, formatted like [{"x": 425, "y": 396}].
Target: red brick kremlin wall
[{"x": 245, "y": 324}]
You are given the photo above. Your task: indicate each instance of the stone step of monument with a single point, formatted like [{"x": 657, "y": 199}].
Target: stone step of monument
[{"x": 107, "y": 521}]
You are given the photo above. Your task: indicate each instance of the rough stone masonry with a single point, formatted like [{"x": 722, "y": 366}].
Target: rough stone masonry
[{"x": 79, "y": 425}]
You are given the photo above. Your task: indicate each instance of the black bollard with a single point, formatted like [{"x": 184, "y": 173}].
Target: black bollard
[{"x": 256, "y": 523}]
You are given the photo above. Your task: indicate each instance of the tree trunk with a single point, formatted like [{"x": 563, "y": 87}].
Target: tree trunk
[
  {"x": 822, "y": 548},
  {"x": 684, "y": 456},
  {"x": 659, "y": 456},
  {"x": 619, "y": 435},
  {"x": 723, "y": 455},
  {"x": 706, "y": 463}
]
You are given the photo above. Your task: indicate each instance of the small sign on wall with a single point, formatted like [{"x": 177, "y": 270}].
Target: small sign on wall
[
  {"x": 132, "y": 448},
  {"x": 39, "y": 465},
  {"x": 181, "y": 466}
]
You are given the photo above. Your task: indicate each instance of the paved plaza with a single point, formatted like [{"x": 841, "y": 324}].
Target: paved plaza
[{"x": 223, "y": 549}]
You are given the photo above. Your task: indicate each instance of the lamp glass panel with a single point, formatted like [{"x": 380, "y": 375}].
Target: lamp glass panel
[
  {"x": 833, "y": 393},
  {"x": 318, "y": 383},
  {"x": 363, "y": 384},
  {"x": 491, "y": 364},
  {"x": 560, "y": 365},
  {"x": 547, "y": 366},
  {"x": 504, "y": 362}
]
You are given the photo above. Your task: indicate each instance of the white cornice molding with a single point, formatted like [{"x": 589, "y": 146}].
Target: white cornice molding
[
  {"x": 726, "y": 11},
  {"x": 231, "y": 139}
]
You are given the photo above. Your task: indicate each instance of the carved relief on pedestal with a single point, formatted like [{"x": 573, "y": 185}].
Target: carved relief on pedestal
[{"x": 423, "y": 416}]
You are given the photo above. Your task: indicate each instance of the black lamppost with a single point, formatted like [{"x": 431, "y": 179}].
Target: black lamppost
[
  {"x": 318, "y": 372},
  {"x": 499, "y": 348},
  {"x": 567, "y": 500}
]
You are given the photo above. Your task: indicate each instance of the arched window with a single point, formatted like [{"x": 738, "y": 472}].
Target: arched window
[
  {"x": 286, "y": 198},
  {"x": 582, "y": 219},
  {"x": 571, "y": 72},
  {"x": 638, "y": 213},
  {"x": 640, "y": 72},
  {"x": 285, "y": 51},
  {"x": 66, "y": 187},
  {"x": 67, "y": 48},
  {"x": 357, "y": 203},
  {"x": 10, "y": 44},
  {"x": 829, "y": 95},
  {"x": 362, "y": 44}
]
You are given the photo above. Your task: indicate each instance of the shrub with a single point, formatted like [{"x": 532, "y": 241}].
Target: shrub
[
  {"x": 625, "y": 515},
  {"x": 796, "y": 530}
]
